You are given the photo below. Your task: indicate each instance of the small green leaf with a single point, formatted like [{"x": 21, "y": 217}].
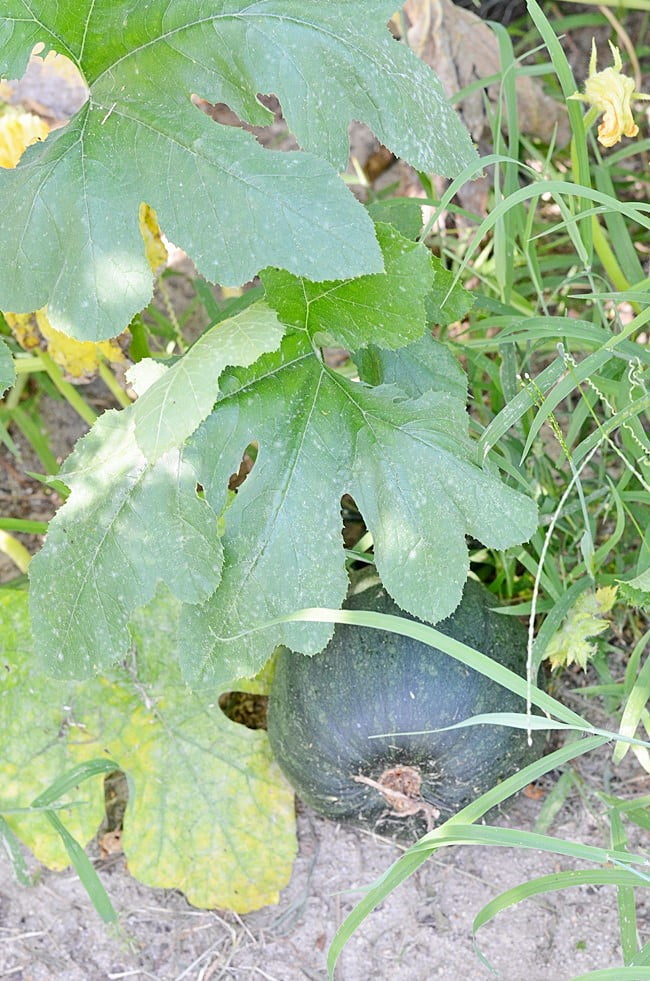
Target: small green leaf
[
  {"x": 126, "y": 525},
  {"x": 448, "y": 301},
  {"x": 7, "y": 369},
  {"x": 84, "y": 869},
  {"x": 386, "y": 308},
  {"x": 172, "y": 407}
]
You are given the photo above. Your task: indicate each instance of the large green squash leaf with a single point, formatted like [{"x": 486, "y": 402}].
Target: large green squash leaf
[
  {"x": 398, "y": 445},
  {"x": 134, "y": 515},
  {"x": 69, "y": 211},
  {"x": 207, "y": 797},
  {"x": 407, "y": 462}
]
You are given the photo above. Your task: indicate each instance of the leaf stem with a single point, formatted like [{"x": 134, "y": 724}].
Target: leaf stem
[
  {"x": 112, "y": 384},
  {"x": 14, "y": 550},
  {"x": 68, "y": 391}
]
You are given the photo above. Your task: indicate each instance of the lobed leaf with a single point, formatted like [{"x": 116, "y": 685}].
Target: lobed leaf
[
  {"x": 386, "y": 308},
  {"x": 126, "y": 525},
  {"x": 173, "y": 407},
  {"x": 70, "y": 209},
  {"x": 407, "y": 462}
]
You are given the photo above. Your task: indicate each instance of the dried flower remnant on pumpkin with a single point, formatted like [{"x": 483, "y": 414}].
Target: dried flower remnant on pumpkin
[{"x": 611, "y": 92}]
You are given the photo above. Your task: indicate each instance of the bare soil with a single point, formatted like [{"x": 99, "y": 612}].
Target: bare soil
[{"x": 422, "y": 931}]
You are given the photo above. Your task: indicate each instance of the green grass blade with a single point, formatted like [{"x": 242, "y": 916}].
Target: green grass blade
[
  {"x": 566, "y": 328},
  {"x": 625, "y": 416},
  {"x": 626, "y": 5},
  {"x": 519, "y": 720},
  {"x": 636, "y": 704},
  {"x": 453, "y": 833},
  {"x": 518, "y": 406},
  {"x": 579, "y": 373},
  {"x": 625, "y": 895},
  {"x": 579, "y": 155},
  {"x": 555, "y": 801},
  {"x": 24, "y": 525},
  {"x": 616, "y": 974},
  {"x": 12, "y": 847},
  {"x": 85, "y": 870},
  {"x": 506, "y": 176},
  {"x": 68, "y": 781},
  {"x": 545, "y": 884},
  {"x": 33, "y": 433},
  {"x": 626, "y": 254},
  {"x": 643, "y": 957}
]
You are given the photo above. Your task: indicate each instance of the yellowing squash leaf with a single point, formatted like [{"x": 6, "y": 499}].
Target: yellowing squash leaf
[
  {"x": 18, "y": 130},
  {"x": 571, "y": 643},
  {"x": 154, "y": 247},
  {"x": 208, "y": 801},
  {"x": 79, "y": 359}
]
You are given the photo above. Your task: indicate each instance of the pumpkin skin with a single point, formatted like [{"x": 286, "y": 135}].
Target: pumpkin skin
[{"x": 323, "y": 709}]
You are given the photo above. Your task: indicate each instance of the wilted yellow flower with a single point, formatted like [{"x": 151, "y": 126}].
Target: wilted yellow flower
[{"x": 611, "y": 93}]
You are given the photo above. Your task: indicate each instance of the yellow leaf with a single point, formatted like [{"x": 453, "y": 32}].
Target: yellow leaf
[
  {"x": 154, "y": 247},
  {"x": 79, "y": 359},
  {"x": 23, "y": 327},
  {"x": 570, "y": 644},
  {"x": 18, "y": 130}
]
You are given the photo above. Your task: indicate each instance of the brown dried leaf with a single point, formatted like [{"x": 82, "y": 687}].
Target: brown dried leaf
[{"x": 461, "y": 49}]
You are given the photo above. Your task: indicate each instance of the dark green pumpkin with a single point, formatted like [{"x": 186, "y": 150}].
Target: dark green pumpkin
[{"x": 323, "y": 709}]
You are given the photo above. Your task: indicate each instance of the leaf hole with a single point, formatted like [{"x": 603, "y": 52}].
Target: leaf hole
[
  {"x": 274, "y": 136},
  {"x": 49, "y": 93},
  {"x": 244, "y": 708},
  {"x": 247, "y": 463},
  {"x": 357, "y": 540}
]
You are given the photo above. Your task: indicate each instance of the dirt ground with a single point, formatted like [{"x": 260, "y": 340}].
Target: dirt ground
[{"x": 51, "y": 933}]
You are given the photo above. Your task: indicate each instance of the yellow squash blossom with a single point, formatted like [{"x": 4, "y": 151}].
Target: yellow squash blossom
[{"x": 611, "y": 93}]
